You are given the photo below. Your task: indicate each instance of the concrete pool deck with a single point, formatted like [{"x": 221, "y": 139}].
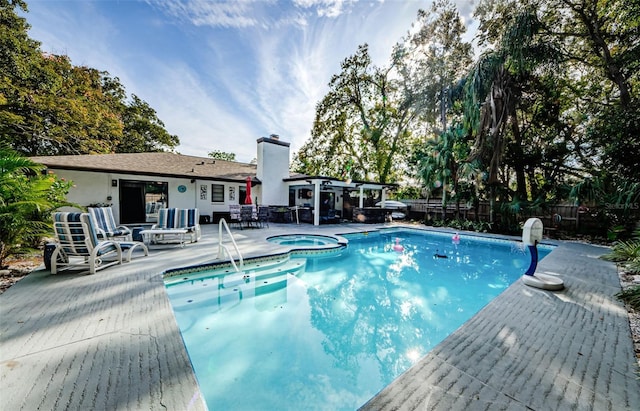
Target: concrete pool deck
[{"x": 109, "y": 341}]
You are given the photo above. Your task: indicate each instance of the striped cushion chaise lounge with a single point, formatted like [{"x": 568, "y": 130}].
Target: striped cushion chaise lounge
[{"x": 78, "y": 245}]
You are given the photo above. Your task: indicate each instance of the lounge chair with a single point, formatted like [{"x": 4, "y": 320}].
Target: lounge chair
[
  {"x": 106, "y": 225},
  {"x": 175, "y": 224},
  {"x": 77, "y": 244}
]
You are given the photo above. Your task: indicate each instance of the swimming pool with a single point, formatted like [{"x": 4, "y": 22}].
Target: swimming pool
[{"x": 330, "y": 332}]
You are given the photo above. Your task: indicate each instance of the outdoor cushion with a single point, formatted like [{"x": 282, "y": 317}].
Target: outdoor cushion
[
  {"x": 176, "y": 218},
  {"x": 77, "y": 243},
  {"x": 106, "y": 224}
]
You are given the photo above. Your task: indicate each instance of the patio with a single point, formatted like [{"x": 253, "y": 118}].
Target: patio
[{"x": 109, "y": 341}]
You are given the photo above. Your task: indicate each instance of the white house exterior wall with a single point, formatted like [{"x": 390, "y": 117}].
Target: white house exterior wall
[
  {"x": 88, "y": 187},
  {"x": 96, "y": 187}
]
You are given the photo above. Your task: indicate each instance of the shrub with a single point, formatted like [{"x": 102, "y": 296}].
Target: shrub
[
  {"x": 26, "y": 201},
  {"x": 624, "y": 251},
  {"x": 631, "y": 296}
]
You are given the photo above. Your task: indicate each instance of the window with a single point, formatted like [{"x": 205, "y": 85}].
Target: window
[{"x": 217, "y": 193}]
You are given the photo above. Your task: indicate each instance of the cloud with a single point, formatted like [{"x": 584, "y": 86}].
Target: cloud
[
  {"x": 279, "y": 76},
  {"x": 203, "y": 122},
  {"x": 266, "y": 14},
  {"x": 325, "y": 8},
  {"x": 221, "y": 74},
  {"x": 209, "y": 13}
]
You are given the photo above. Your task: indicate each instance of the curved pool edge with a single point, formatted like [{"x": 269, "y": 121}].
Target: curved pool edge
[
  {"x": 444, "y": 231},
  {"x": 303, "y": 240},
  {"x": 290, "y": 251},
  {"x": 342, "y": 243}
]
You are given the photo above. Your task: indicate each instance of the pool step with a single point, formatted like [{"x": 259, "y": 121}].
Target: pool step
[
  {"x": 264, "y": 274},
  {"x": 224, "y": 289},
  {"x": 261, "y": 265}
]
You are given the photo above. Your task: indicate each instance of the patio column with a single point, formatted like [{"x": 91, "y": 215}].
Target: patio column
[
  {"x": 361, "y": 205},
  {"x": 383, "y": 197},
  {"x": 316, "y": 202}
]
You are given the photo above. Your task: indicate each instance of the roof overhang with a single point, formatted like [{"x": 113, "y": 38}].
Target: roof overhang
[{"x": 337, "y": 183}]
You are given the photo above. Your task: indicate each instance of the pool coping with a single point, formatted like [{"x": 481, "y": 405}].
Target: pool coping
[{"x": 109, "y": 341}]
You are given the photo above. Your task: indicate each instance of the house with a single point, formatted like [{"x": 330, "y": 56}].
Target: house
[{"x": 136, "y": 185}]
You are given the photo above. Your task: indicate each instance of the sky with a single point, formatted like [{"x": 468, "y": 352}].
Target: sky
[{"x": 221, "y": 74}]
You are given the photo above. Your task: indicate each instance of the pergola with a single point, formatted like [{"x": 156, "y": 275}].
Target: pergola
[{"x": 319, "y": 183}]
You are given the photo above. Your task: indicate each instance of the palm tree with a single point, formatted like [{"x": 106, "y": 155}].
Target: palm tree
[
  {"x": 490, "y": 83},
  {"x": 26, "y": 197},
  {"x": 494, "y": 93},
  {"x": 440, "y": 166}
]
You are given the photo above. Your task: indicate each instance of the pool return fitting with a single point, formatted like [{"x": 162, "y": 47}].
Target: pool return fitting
[{"x": 531, "y": 236}]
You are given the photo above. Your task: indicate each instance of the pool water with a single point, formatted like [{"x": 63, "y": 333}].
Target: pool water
[{"x": 328, "y": 333}]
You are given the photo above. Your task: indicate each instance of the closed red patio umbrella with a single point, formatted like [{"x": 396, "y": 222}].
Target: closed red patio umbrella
[{"x": 247, "y": 199}]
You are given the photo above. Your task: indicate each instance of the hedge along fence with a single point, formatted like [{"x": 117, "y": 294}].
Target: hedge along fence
[{"x": 560, "y": 217}]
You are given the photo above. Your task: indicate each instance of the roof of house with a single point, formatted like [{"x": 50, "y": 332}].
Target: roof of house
[{"x": 154, "y": 164}]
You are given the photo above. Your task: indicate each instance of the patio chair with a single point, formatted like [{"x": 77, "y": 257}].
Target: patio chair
[
  {"x": 189, "y": 218},
  {"x": 106, "y": 225},
  {"x": 175, "y": 224},
  {"x": 249, "y": 215},
  {"x": 263, "y": 216},
  {"x": 77, "y": 244},
  {"x": 151, "y": 210},
  {"x": 234, "y": 215}
]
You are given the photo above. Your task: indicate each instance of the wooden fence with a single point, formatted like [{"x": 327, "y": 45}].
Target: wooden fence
[{"x": 563, "y": 217}]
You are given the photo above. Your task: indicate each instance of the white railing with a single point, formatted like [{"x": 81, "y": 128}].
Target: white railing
[{"x": 223, "y": 249}]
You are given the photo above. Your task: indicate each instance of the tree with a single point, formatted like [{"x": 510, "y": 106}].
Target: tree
[
  {"x": 515, "y": 110},
  {"x": 603, "y": 36},
  {"x": 143, "y": 130},
  {"x": 434, "y": 59},
  {"x": 221, "y": 155},
  {"x": 597, "y": 40},
  {"x": 441, "y": 163},
  {"x": 553, "y": 99},
  {"x": 362, "y": 126},
  {"x": 48, "y": 106}
]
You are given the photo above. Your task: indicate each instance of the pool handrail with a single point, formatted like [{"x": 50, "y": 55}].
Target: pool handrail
[{"x": 222, "y": 247}]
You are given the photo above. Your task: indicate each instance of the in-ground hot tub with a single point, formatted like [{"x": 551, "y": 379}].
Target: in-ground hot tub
[{"x": 303, "y": 240}]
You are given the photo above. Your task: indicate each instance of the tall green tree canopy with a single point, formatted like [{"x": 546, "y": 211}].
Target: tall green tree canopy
[
  {"x": 373, "y": 117},
  {"x": 434, "y": 59},
  {"x": 361, "y": 126},
  {"x": 222, "y": 155},
  {"x": 550, "y": 103},
  {"x": 552, "y": 98},
  {"x": 143, "y": 131},
  {"x": 48, "y": 106}
]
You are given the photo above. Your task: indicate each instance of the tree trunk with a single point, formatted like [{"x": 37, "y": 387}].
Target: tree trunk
[
  {"x": 444, "y": 201},
  {"x": 521, "y": 183},
  {"x": 492, "y": 203}
]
